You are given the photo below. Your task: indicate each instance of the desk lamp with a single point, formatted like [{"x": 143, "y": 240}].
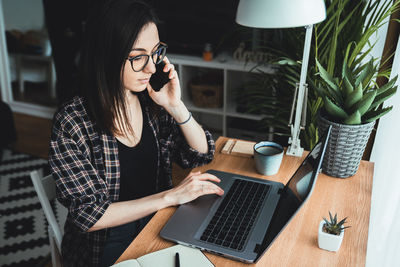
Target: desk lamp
[{"x": 287, "y": 14}]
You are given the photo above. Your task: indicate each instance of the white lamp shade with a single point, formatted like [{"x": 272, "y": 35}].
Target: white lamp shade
[{"x": 280, "y": 13}]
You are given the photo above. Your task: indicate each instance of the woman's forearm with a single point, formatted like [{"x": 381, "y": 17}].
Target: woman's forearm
[
  {"x": 193, "y": 132},
  {"x": 123, "y": 212},
  {"x": 194, "y": 185}
]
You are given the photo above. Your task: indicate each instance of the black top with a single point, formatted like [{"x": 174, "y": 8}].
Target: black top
[{"x": 138, "y": 166}]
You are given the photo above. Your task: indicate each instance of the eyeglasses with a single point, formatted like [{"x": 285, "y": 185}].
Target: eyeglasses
[{"x": 138, "y": 63}]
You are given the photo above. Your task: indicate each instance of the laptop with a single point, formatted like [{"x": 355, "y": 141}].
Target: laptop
[{"x": 243, "y": 223}]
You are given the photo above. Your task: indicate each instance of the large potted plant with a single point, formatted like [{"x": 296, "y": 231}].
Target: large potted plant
[{"x": 352, "y": 104}]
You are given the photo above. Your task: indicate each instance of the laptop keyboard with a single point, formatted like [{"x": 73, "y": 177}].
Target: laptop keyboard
[{"x": 233, "y": 220}]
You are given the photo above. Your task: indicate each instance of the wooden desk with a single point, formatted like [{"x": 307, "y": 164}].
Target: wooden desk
[{"x": 297, "y": 244}]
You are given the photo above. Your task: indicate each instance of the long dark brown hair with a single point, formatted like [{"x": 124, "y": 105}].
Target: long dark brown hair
[{"x": 112, "y": 28}]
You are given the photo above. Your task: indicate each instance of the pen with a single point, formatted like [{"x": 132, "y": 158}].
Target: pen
[{"x": 177, "y": 261}]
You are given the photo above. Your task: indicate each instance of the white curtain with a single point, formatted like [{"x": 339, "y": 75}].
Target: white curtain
[{"x": 384, "y": 230}]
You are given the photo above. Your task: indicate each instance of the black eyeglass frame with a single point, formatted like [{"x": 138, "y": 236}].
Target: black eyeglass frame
[{"x": 161, "y": 46}]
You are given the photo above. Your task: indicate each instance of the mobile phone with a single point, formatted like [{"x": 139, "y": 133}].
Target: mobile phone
[{"x": 159, "y": 78}]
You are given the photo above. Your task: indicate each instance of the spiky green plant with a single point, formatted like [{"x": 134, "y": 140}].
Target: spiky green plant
[
  {"x": 333, "y": 226},
  {"x": 354, "y": 98}
]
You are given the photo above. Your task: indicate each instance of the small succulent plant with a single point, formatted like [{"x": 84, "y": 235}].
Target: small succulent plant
[
  {"x": 333, "y": 226},
  {"x": 354, "y": 98}
]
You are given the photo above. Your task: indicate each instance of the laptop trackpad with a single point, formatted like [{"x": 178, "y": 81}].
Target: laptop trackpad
[{"x": 189, "y": 217}]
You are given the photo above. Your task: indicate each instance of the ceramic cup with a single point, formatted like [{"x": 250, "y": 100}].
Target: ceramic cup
[{"x": 268, "y": 157}]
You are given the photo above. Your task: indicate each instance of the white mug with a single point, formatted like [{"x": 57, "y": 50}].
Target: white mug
[{"x": 268, "y": 157}]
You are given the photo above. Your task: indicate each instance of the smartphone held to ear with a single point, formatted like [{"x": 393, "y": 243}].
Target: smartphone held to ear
[{"x": 159, "y": 78}]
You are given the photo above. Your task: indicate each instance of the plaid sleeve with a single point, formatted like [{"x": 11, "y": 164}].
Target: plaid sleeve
[
  {"x": 79, "y": 186},
  {"x": 186, "y": 156}
]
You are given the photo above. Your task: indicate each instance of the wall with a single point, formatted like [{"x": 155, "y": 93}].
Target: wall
[
  {"x": 24, "y": 15},
  {"x": 383, "y": 236}
]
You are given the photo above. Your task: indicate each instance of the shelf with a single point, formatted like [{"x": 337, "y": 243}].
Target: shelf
[
  {"x": 228, "y": 64},
  {"x": 231, "y": 111},
  {"x": 216, "y": 111},
  {"x": 233, "y": 75},
  {"x": 245, "y": 116}
]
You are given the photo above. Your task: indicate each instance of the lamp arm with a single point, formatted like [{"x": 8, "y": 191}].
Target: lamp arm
[
  {"x": 296, "y": 90},
  {"x": 295, "y": 148},
  {"x": 304, "y": 112}
]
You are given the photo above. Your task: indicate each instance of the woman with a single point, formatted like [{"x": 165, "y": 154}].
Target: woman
[{"x": 112, "y": 147}]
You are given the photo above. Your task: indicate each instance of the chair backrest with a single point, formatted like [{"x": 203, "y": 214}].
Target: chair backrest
[{"x": 46, "y": 191}]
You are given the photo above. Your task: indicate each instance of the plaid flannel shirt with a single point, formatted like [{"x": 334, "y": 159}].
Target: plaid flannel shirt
[{"x": 86, "y": 170}]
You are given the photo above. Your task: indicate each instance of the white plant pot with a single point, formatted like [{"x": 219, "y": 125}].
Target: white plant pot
[{"x": 328, "y": 241}]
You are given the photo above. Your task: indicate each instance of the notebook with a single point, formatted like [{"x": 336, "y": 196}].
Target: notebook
[
  {"x": 243, "y": 223},
  {"x": 166, "y": 258}
]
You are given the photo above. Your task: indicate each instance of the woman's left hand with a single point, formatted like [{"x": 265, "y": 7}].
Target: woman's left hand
[{"x": 169, "y": 95}]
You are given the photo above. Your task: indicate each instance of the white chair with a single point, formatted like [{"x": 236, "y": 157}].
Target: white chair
[{"x": 46, "y": 191}]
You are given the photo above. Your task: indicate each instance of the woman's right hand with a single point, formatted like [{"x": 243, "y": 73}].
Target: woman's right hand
[{"x": 194, "y": 185}]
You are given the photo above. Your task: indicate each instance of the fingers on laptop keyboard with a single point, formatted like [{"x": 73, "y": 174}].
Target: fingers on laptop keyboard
[
  {"x": 210, "y": 188},
  {"x": 204, "y": 176}
]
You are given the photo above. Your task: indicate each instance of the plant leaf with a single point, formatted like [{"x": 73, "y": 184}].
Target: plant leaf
[
  {"x": 354, "y": 97},
  {"x": 342, "y": 221},
  {"x": 383, "y": 97},
  {"x": 353, "y": 119},
  {"x": 376, "y": 114},
  {"x": 333, "y": 109},
  {"x": 377, "y": 21},
  {"x": 386, "y": 86},
  {"x": 330, "y": 81},
  {"x": 348, "y": 87},
  {"x": 287, "y": 61},
  {"x": 365, "y": 103},
  {"x": 361, "y": 57},
  {"x": 366, "y": 74},
  {"x": 346, "y": 73}
]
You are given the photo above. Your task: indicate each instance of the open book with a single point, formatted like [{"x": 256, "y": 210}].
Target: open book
[{"x": 166, "y": 257}]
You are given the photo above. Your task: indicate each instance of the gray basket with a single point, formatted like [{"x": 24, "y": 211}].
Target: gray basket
[{"x": 345, "y": 147}]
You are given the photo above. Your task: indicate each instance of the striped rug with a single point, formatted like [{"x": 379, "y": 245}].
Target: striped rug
[{"x": 23, "y": 227}]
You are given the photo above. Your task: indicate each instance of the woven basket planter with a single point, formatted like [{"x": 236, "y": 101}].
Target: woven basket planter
[{"x": 345, "y": 148}]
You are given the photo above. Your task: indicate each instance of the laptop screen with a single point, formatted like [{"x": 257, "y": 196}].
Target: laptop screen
[
  {"x": 302, "y": 181},
  {"x": 295, "y": 193}
]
